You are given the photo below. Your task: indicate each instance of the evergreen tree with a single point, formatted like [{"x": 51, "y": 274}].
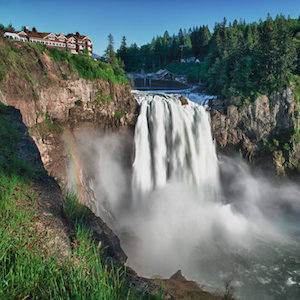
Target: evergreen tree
[
  {"x": 166, "y": 47},
  {"x": 10, "y": 27},
  {"x": 265, "y": 54},
  {"x": 181, "y": 36},
  {"x": 111, "y": 57},
  {"x": 285, "y": 53},
  {"x": 187, "y": 52},
  {"x": 110, "y": 54},
  {"x": 122, "y": 52}
]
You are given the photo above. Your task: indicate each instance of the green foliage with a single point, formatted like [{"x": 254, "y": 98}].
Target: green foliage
[
  {"x": 119, "y": 113},
  {"x": 296, "y": 82},
  {"x": 29, "y": 265},
  {"x": 86, "y": 67},
  {"x": 101, "y": 98},
  {"x": 191, "y": 70},
  {"x": 6, "y": 28},
  {"x": 165, "y": 49},
  {"x": 19, "y": 60},
  {"x": 275, "y": 143},
  {"x": 286, "y": 147},
  {"x": 74, "y": 211},
  {"x": 47, "y": 126},
  {"x": 41, "y": 47},
  {"x": 239, "y": 59},
  {"x": 244, "y": 59},
  {"x": 31, "y": 271}
]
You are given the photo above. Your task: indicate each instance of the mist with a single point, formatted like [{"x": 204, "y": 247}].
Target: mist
[{"x": 242, "y": 225}]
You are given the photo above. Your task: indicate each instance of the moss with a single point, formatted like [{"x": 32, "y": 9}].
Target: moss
[
  {"x": 19, "y": 61},
  {"x": 286, "y": 147},
  {"x": 47, "y": 126},
  {"x": 296, "y": 83},
  {"x": 119, "y": 113},
  {"x": 279, "y": 161},
  {"x": 78, "y": 103},
  {"x": 64, "y": 76},
  {"x": 100, "y": 97}
]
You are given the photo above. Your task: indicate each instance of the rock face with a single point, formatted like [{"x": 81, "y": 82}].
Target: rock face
[
  {"x": 180, "y": 288},
  {"x": 50, "y": 200},
  {"x": 48, "y": 103},
  {"x": 268, "y": 125},
  {"x": 184, "y": 100},
  {"x": 53, "y": 97}
]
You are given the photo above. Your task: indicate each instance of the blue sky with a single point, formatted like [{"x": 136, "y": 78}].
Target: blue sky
[{"x": 138, "y": 20}]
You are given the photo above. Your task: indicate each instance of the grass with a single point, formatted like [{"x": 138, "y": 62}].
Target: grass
[
  {"x": 47, "y": 126},
  {"x": 20, "y": 60},
  {"x": 119, "y": 113},
  {"x": 29, "y": 268},
  {"x": 100, "y": 97},
  {"x": 25, "y": 63},
  {"x": 28, "y": 272},
  {"x": 86, "y": 67}
]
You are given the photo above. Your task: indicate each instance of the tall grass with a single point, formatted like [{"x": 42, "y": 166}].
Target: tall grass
[
  {"x": 29, "y": 265},
  {"x": 27, "y": 270}
]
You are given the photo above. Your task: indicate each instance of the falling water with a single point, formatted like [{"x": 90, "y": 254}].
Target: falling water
[
  {"x": 173, "y": 143},
  {"x": 214, "y": 233},
  {"x": 182, "y": 207}
]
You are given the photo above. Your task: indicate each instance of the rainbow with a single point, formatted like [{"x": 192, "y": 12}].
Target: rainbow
[{"x": 71, "y": 147}]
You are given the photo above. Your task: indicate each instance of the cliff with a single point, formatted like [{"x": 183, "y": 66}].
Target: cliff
[
  {"x": 266, "y": 131},
  {"x": 52, "y": 95},
  {"x": 45, "y": 98}
]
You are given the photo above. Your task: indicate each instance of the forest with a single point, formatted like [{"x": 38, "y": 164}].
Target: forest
[{"x": 236, "y": 59}]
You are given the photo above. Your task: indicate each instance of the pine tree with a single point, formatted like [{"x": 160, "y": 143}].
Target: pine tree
[
  {"x": 266, "y": 54},
  {"x": 122, "y": 52},
  {"x": 166, "y": 47},
  {"x": 110, "y": 54},
  {"x": 187, "y": 47},
  {"x": 111, "y": 57},
  {"x": 285, "y": 55}
]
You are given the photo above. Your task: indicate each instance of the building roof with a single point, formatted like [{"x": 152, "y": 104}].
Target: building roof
[
  {"x": 42, "y": 35},
  {"x": 78, "y": 37},
  {"x": 162, "y": 72},
  {"x": 56, "y": 37}
]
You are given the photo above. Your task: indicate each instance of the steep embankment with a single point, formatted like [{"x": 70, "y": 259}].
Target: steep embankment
[
  {"x": 59, "y": 243},
  {"x": 266, "y": 131},
  {"x": 51, "y": 245},
  {"x": 54, "y": 90}
]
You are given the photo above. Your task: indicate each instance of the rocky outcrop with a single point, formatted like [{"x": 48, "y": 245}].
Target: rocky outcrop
[
  {"x": 49, "y": 100},
  {"x": 50, "y": 201},
  {"x": 55, "y": 229},
  {"x": 183, "y": 100},
  {"x": 180, "y": 288},
  {"x": 51, "y": 96},
  {"x": 267, "y": 126}
]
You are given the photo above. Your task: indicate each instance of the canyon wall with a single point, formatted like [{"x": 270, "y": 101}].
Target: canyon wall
[
  {"x": 265, "y": 131},
  {"x": 52, "y": 97}
]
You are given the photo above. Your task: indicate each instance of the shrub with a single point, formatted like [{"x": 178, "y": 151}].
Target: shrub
[
  {"x": 86, "y": 67},
  {"x": 119, "y": 114}
]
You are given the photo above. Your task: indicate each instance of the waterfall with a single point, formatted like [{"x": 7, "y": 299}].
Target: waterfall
[
  {"x": 180, "y": 207},
  {"x": 173, "y": 143}
]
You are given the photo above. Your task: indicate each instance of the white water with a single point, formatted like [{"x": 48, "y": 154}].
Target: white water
[
  {"x": 214, "y": 219},
  {"x": 173, "y": 143}
]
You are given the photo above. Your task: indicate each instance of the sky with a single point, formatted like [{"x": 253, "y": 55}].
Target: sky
[{"x": 138, "y": 20}]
